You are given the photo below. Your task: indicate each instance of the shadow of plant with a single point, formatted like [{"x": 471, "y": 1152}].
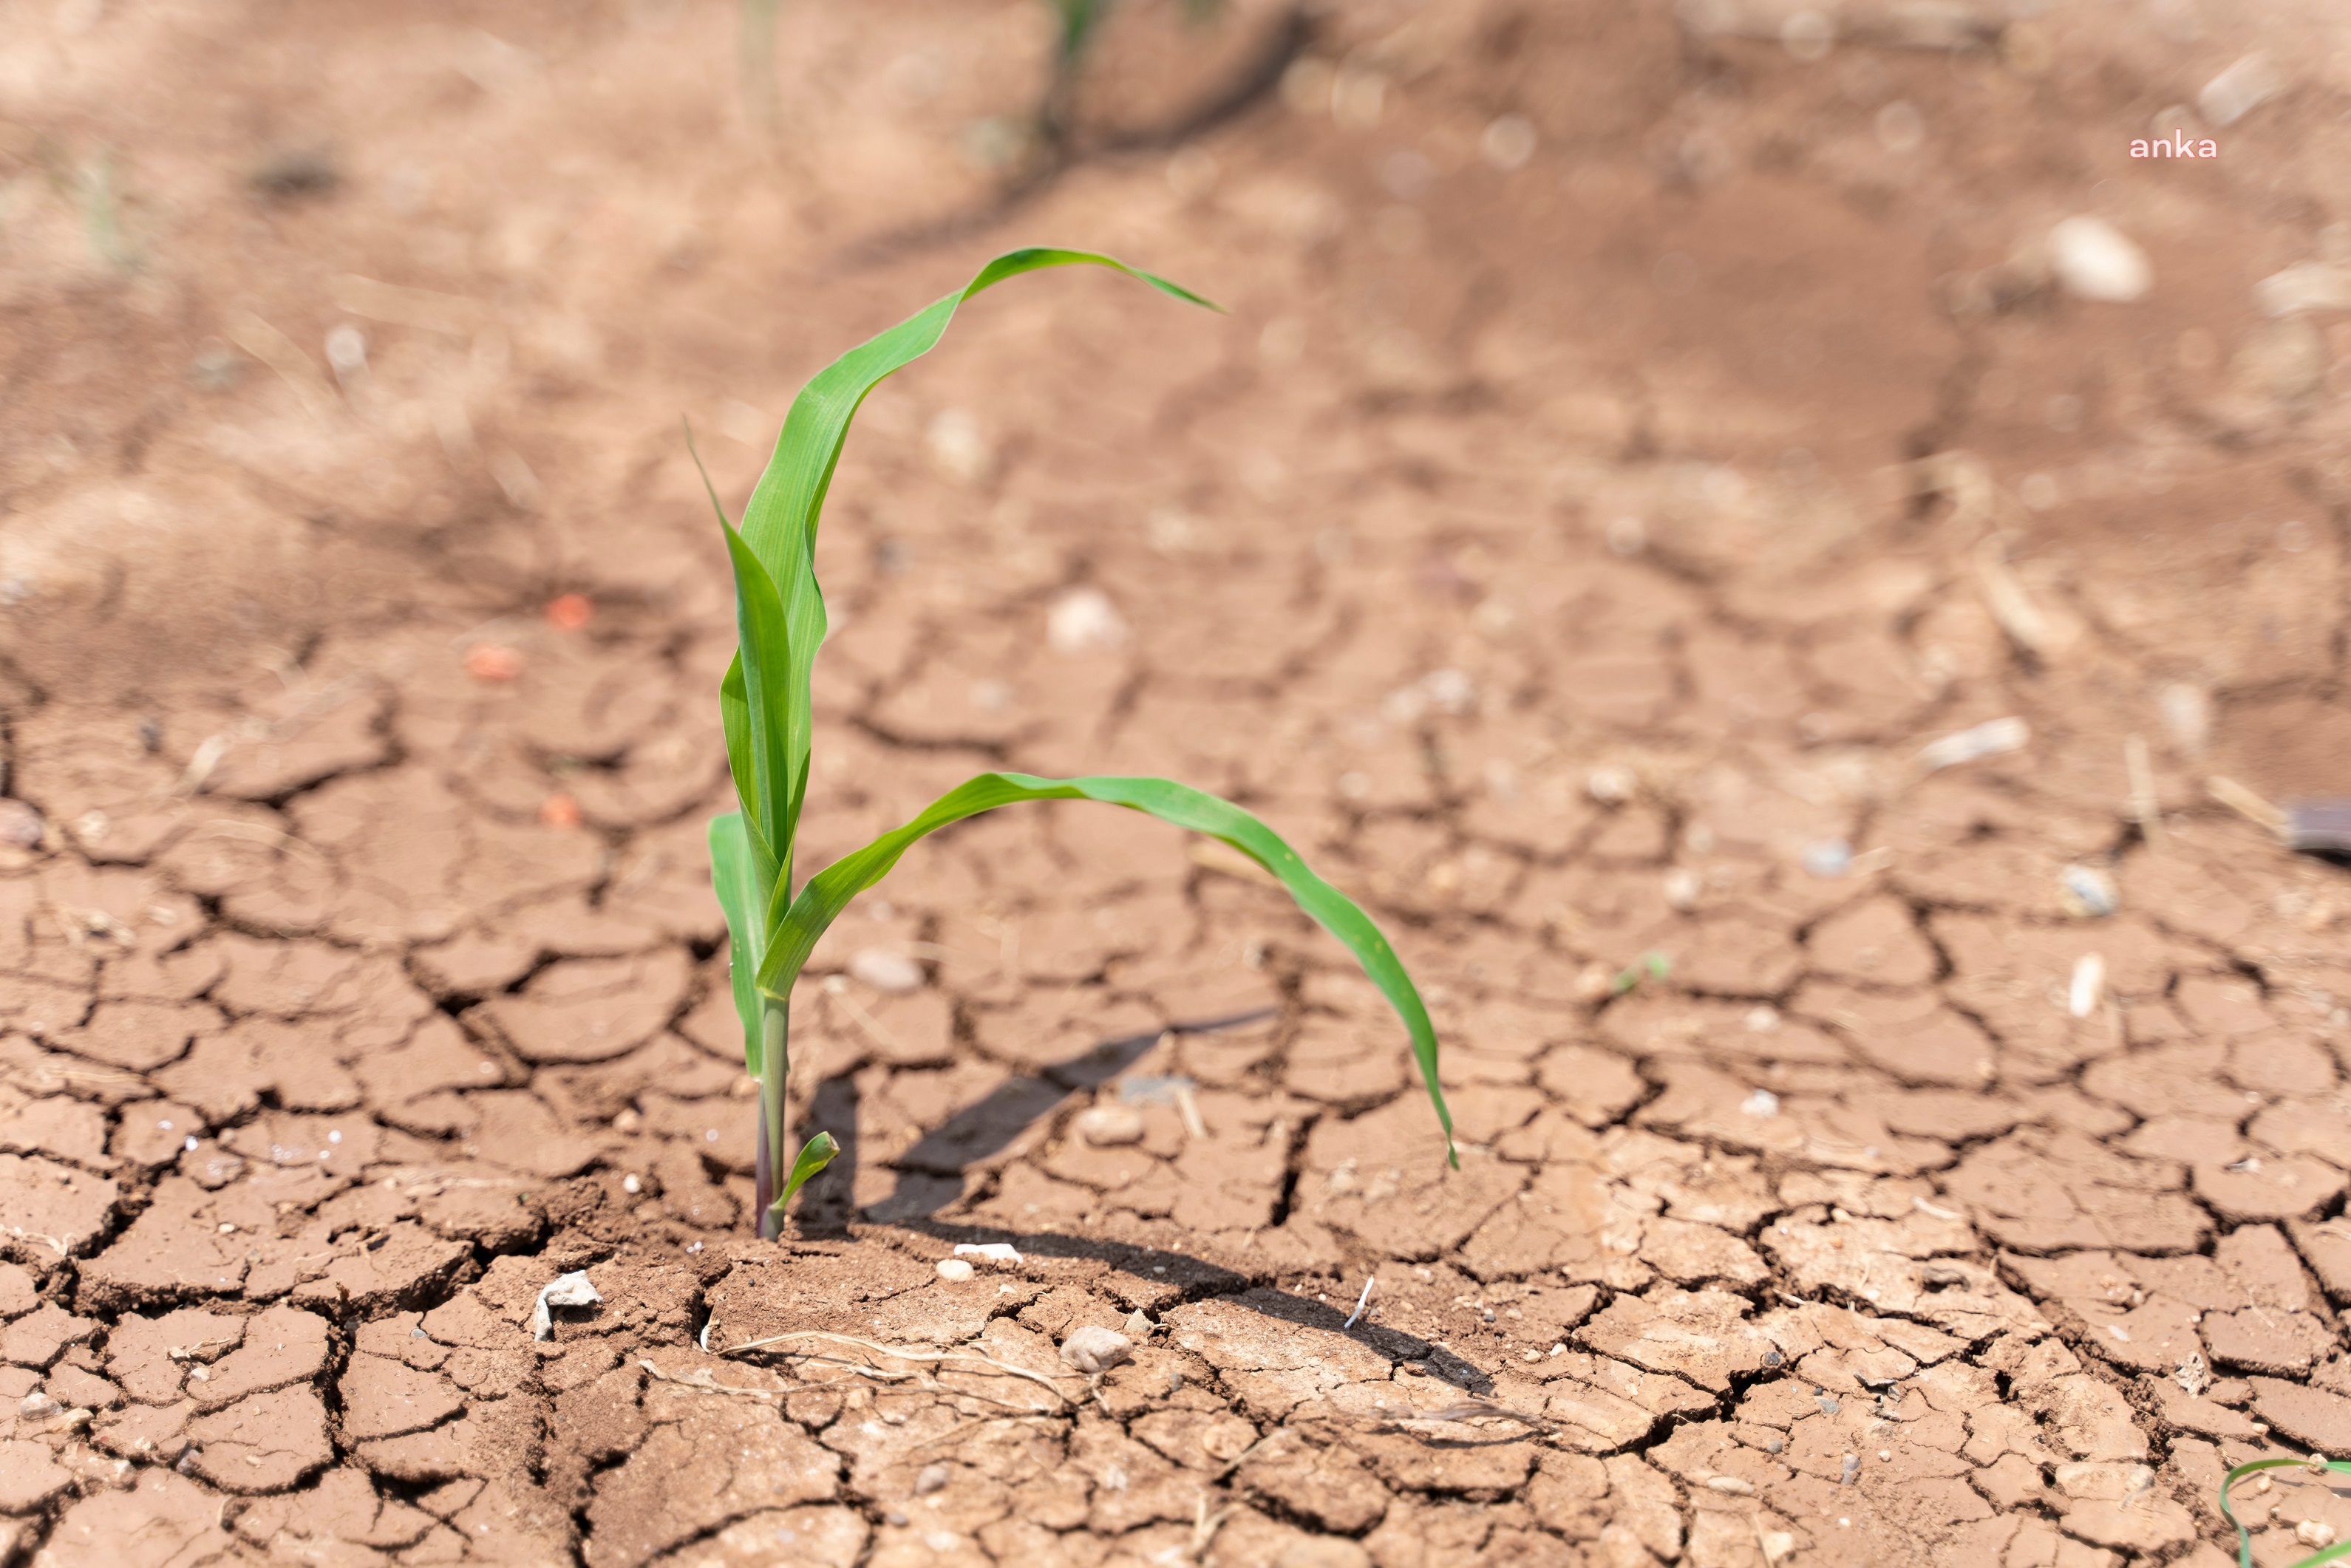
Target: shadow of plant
[{"x": 931, "y": 1177}]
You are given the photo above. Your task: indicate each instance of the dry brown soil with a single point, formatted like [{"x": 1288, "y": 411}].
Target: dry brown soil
[{"x": 1534, "y": 544}]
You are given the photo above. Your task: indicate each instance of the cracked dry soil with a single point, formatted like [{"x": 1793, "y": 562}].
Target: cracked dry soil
[{"x": 1525, "y": 548}]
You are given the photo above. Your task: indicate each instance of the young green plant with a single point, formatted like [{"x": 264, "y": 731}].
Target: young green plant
[{"x": 772, "y": 925}]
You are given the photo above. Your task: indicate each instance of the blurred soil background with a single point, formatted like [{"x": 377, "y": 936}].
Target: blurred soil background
[{"x": 1639, "y": 438}]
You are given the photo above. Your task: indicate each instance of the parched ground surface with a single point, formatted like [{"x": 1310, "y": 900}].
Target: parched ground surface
[{"x": 1532, "y": 544}]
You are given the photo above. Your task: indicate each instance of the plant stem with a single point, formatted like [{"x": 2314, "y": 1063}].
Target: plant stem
[{"x": 772, "y": 1163}]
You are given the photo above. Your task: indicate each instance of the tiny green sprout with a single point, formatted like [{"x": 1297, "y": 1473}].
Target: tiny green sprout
[
  {"x": 1652, "y": 967},
  {"x": 773, "y": 925}
]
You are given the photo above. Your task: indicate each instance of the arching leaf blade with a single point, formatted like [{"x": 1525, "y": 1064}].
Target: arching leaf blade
[
  {"x": 814, "y": 1156},
  {"x": 778, "y": 725},
  {"x": 829, "y": 892},
  {"x": 779, "y": 522}
]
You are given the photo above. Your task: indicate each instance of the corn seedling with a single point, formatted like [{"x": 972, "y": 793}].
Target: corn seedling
[{"x": 764, "y": 700}]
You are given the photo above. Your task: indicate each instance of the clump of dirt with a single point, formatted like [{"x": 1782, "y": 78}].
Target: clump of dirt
[{"x": 1638, "y": 441}]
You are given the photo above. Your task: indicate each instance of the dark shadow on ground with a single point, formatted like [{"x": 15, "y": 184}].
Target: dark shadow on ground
[
  {"x": 931, "y": 1175},
  {"x": 1255, "y": 82}
]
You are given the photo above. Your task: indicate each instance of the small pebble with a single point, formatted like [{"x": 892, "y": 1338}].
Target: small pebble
[
  {"x": 989, "y": 1251},
  {"x": 1508, "y": 142},
  {"x": 489, "y": 662},
  {"x": 1828, "y": 858},
  {"x": 1761, "y": 1103},
  {"x": 1731, "y": 1484},
  {"x": 1084, "y": 621},
  {"x": 2095, "y": 260},
  {"x": 632, "y": 1185},
  {"x": 1091, "y": 1349},
  {"x": 895, "y": 1519},
  {"x": 1995, "y": 738},
  {"x": 2089, "y": 988},
  {"x": 2187, "y": 715},
  {"x": 1106, "y": 1126},
  {"x": 956, "y": 444},
  {"x": 570, "y": 1290},
  {"x": 21, "y": 825},
  {"x": 1852, "y": 1466},
  {"x": 933, "y": 1478},
  {"x": 2087, "y": 893},
  {"x": 2319, "y": 826},
  {"x": 954, "y": 1269},
  {"x": 891, "y": 972},
  {"x": 1612, "y": 785}
]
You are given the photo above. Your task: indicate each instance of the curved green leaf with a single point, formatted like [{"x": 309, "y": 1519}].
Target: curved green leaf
[
  {"x": 830, "y": 891},
  {"x": 814, "y": 1156},
  {"x": 780, "y": 728},
  {"x": 779, "y": 522},
  {"x": 2315, "y": 1464}
]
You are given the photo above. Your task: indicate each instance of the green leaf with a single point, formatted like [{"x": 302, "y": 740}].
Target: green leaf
[
  {"x": 778, "y": 725},
  {"x": 735, "y": 692},
  {"x": 779, "y": 522},
  {"x": 742, "y": 883},
  {"x": 830, "y": 891},
  {"x": 815, "y": 1155},
  {"x": 2335, "y": 1554}
]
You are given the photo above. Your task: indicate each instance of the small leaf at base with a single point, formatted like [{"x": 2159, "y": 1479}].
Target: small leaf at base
[{"x": 815, "y": 1155}]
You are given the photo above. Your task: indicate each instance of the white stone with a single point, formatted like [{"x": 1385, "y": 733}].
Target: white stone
[
  {"x": 1509, "y": 142},
  {"x": 954, "y": 1269},
  {"x": 2095, "y": 260},
  {"x": 1105, "y": 1126},
  {"x": 1092, "y": 1350},
  {"x": 570, "y": 1290},
  {"x": 1994, "y": 738},
  {"x": 2187, "y": 715},
  {"x": 1084, "y": 621},
  {"x": 2089, "y": 986},
  {"x": 887, "y": 970},
  {"x": 1612, "y": 785},
  {"x": 989, "y": 1251},
  {"x": 957, "y": 446}
]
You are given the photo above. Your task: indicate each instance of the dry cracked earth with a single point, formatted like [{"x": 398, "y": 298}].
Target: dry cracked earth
[{"x": 1635, "y": 440}]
